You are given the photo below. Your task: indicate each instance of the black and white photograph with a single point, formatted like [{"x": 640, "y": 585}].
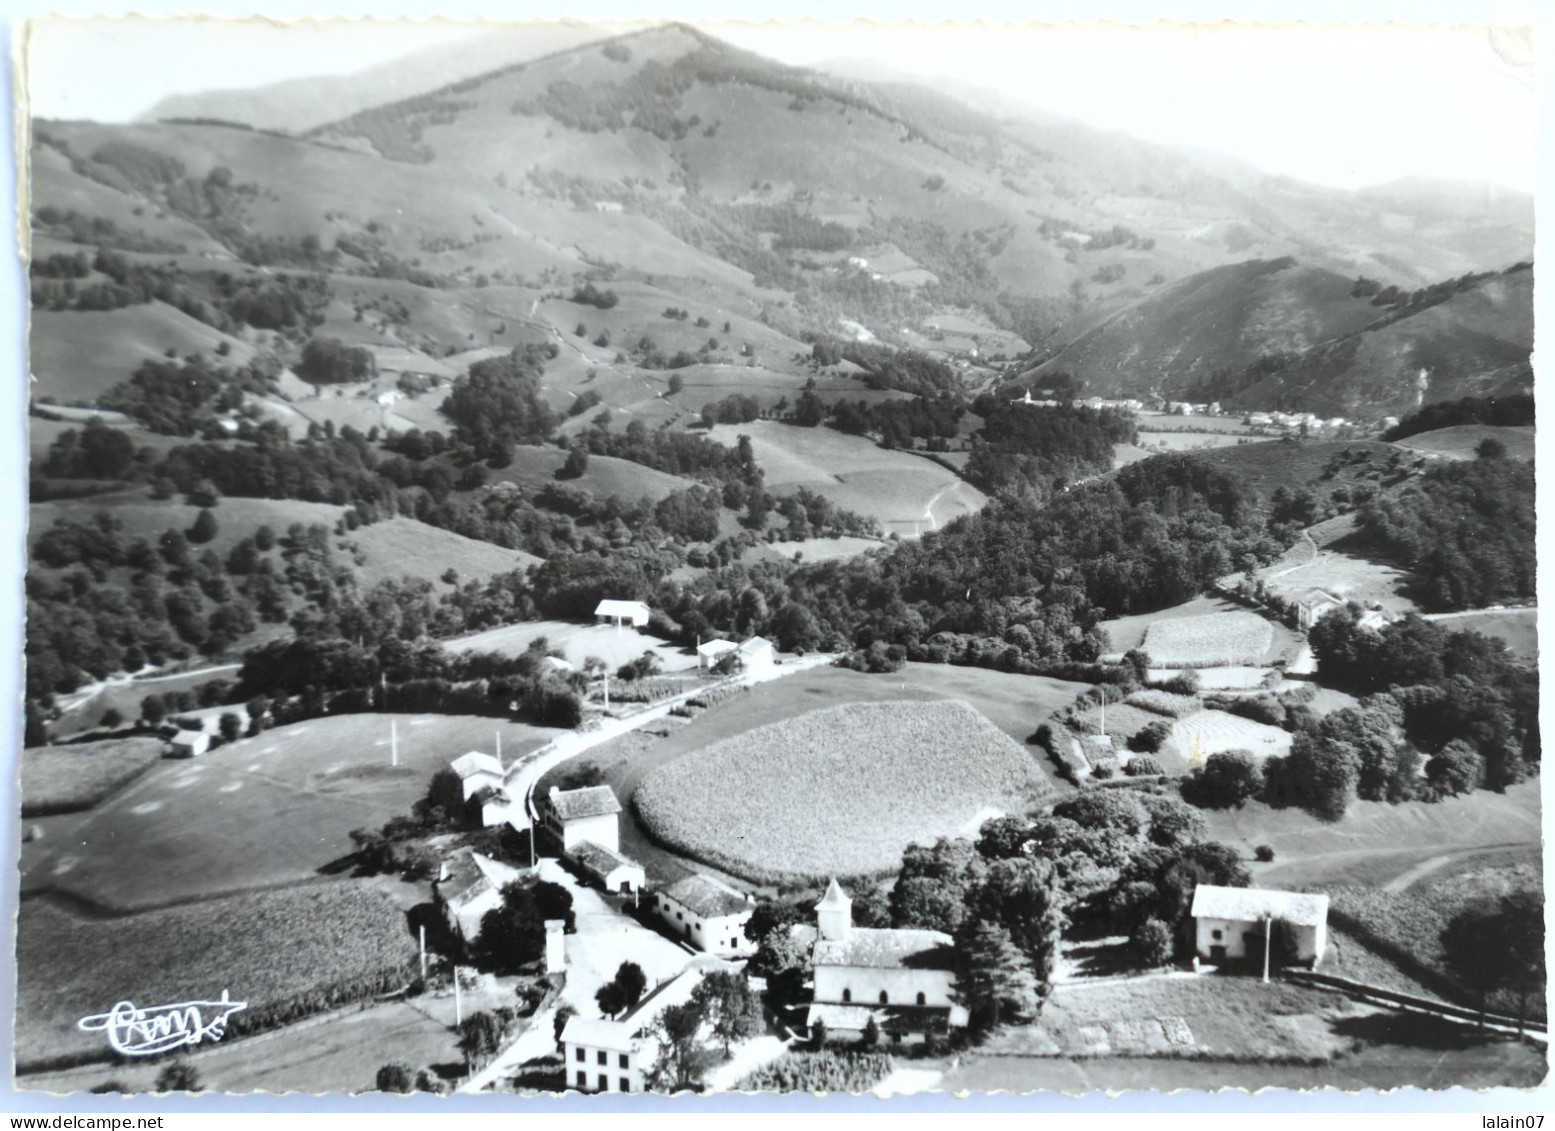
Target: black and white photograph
[{"x": 777, "y": 557}]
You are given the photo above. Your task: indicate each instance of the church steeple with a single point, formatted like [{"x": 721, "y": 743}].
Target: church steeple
[{"x": 834, "y": 913}]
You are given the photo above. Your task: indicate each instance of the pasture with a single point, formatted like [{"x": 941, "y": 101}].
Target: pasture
[
  {"x": 260, "y": 812},
  {"x": 906, "y": 493},
  {"x": 616, "y": 646},
  {"x": 265, "y": 948},
  {"x": 1460, "y": 441},
  {"x": 1517, "y": 628},
  {"x": 842, "y": 790},
  {"x": 1180, "y": 441},
  {"x": 63, "y": 779},
  {"x": 535, "y": 467},
  {"x": 1196, "y": 736},
  {"x": 1222, "y": 639}
]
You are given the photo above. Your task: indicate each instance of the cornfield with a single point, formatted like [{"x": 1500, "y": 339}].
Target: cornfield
[
  {"x": 1165, "y": 703},
  {"x": 841, "y": 790},
  {"x": 827, "y": 1070},
  {"x": 1210, "y": 641},
  {"x": 65, "y": 779}
]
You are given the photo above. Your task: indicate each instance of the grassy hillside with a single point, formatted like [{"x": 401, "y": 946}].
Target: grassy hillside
[
  {"x": 1223, "y": 317},
  {"x": 1461, "y": 441}
]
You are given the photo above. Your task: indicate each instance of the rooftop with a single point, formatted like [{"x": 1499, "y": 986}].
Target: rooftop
[
  {"x": 1305, "y": 909},
  {"x": 592, "y": 801},
  {"x": 835, "y": 896},
  {"x": 882, "y": 948},
  {"x": 756, "y": 644},
  {"x": 716, "y": 647},
  {"x": 599, "y": 859},
  {"x": 475, "y": 762},
  {"x": 599, "y": 1033},
  {"x": 706, "y": 896},
  {"x": 610, "y": 608}
]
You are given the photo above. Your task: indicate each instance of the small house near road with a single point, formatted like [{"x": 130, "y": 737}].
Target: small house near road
[
  {"x": 756, "y": 655},
  {"x": 709, "y": 652},
  {"x": 577, "y": 815},
  {"x": 189, "y": 743},
  {"x": 478, "y": 771},
  {"x": 707, "y": 913},
  {"x": 619, "y": 613},
  {"x": 1230, "y": 923},
  {"x": 611, "y": 870}
]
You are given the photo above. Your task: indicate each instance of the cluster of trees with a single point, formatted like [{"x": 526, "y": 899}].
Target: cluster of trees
[
  {"x": 590, "y": 295},
  {"x": 1509, "y": 411},
  {"x": 1465, "y": 529},
  {"x": 895, "y": 422},
  {"x": 329, "y": 361},
  {"x": 497, "y": 405},
  {"x": 1019, "y": 447},
  {"x": 184, "y": 398}
]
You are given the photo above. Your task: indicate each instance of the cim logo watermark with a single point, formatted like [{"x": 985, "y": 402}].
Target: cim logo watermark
[{"x": 156, "y": 1029}]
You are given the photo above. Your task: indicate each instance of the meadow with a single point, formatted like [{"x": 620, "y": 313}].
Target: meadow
[
  {"x": 841, "y": 790},
  {"x": 62, "y": 779},
  {"x": 261, "y": 812},
  {"x": 1194, "y": 736},
  {"x": 1460, "y": 441},
  {"x": 1215, "y": 640},
  {"x": 906, "y": 493},
  {"x": 616, "y": 646},
  {"x": 285, "y": 953},
  {"x": 1517, "y": 628}
]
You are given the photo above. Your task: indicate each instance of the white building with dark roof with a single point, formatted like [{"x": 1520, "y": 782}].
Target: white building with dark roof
[
  {"x": 707, "y": 913},
  {"x": 902, "y": 977},
  {"x": 1230, "y": 923},
  {"x": 602, "y": 1055},
  {"x": 607, "y": 867},
  {"x": 577, "y": 815}
]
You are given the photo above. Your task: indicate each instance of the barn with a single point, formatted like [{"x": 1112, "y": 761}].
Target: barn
[
  {"x": 1232, "y": 923},
  {"x": 608, "y": 868},
  {"x": 619, "y": 613}
]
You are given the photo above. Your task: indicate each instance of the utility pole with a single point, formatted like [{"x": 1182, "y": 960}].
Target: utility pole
[
  {"x": 423, "y": 952},
  {"x": 1268, "y": 932},
  {"x": 394, "y": 742},
  {"x": 458, "y": 1000},
  {"x": 499, "y": 749}
]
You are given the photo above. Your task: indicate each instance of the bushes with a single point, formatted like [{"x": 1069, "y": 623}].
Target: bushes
[
  {"x": 1144, "y": 765},
  {"x": 1170, "y": 704},
  {"x": 589, "y": 295},
  {"x": 826, "y": 1070},
  {"x": 1227, "y": 780},
  {"x": 1149, "y": 738},
  {"x": 1151, "y": 943}
]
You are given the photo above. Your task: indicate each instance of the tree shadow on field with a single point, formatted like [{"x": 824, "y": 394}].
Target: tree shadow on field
[{"x": 1414, "y": 1030}]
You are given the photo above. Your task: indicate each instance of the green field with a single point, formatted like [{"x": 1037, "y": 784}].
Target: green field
[
  {"x": 1519, "y": 628},
  {"x": 1128, "y": 633},
  {"x": 1223, "y": 639},
  {"x": 262, "y": 947},
  {"x": 260, "y": 812},
  {"x": 1460, "y": 441},
  {"x": 578, "y": 642},
  {"x": 839, "y": 791},
  {"x": 535, "y": 467},
  {"x": 61, "y": 779}
]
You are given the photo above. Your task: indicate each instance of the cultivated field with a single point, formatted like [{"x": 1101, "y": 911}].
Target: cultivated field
[
  {"x": 842, "y": 790},
  {"x": 577, "y": 642},
  {"x": 1196, "y": 736},
  {"x": 61, "y": 779},
  {"x": 907, "y": 493},
  {"x": 266, "y": 948},
  {"x": 1127, "y": 633},
  {"x": 1215, "y": 640},
  {"x": 260, "y": 812}
]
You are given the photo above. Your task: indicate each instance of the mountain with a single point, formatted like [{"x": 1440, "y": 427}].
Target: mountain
[
  {"x": 298, "y": 105},
  {"x": 779, "y": 202}
]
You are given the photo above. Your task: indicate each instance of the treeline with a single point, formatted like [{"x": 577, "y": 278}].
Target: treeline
[
  {"x": 183, "y": 398},
  {"x": 1466, "y": 531},
  {"x": 1021, "y": 446},
  {"x": 1508, "y": 412},
  {"x": 895, "y": 422}
]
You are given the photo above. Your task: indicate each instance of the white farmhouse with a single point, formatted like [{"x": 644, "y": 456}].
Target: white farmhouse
[
  {"x": 902, "y": 978},
  {"x": 634, "y": 613},
  {"x": 756, "y": 655},
  {"x": 1313, "y": 605},
  {"x": 707, "y": 913},
  {"x": 709, "y": 652},
  {"x": 602, "y": 1056},
  {"x": 468, "y": 888},
  {"x": 577, "y": 815},
  {"x": 1231, "y": 923}
]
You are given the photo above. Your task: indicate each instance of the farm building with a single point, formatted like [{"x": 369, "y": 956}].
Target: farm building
[
  {"x": 609, "y": 1056},
  {"x": 619, "y": 613},
  {"x": 468, "y": 888},
  {"x": 1313, "y": 605},
  {"x": 707, "y": 913},
  {"x": 902, "y": 978},
  {"x": 711, "y": 651},
  {"x": 478, "y": 771},
  {"x": 756, "y": 654},
  {"x": 1230, "y": 923},
  {"x": 611, "y": 870},
  {"x": 188, "y": 743},
  {"x": 577, "y": 815},
  {"x": 602, "y": 1056}
]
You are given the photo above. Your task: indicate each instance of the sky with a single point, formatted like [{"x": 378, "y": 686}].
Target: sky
[{"x": 1343, "y": 105}]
